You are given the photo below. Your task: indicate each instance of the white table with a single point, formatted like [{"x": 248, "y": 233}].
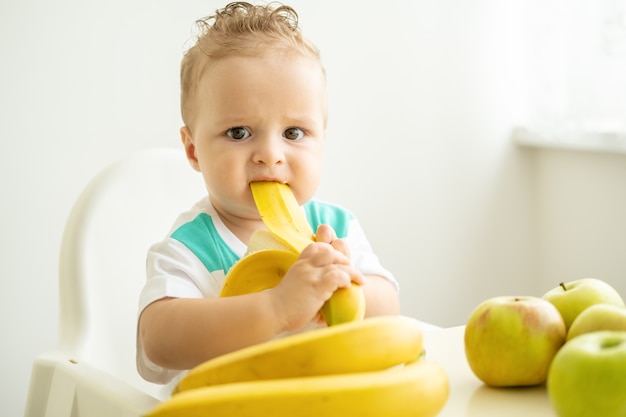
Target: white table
[{"x": 469, "y": 397}]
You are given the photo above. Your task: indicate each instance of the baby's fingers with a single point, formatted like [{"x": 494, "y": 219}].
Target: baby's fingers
[
  {"x": 325, "y": 234},
  {"x": 321, "y": 254}
]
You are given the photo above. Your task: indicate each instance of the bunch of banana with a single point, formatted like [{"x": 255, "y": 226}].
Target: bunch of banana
[
  {"x": 367, "y": 368},
  {"x": 271, "y": 253},
  {"x": 372, "y": 344}
]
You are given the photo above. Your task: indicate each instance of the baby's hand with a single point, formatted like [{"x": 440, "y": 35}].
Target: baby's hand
[
  {"x": 312, "y": 279},
  {"x": 326, "y": 234}
]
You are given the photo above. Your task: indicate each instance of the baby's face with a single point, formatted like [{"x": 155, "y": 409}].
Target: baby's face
[{"x": 258, "y": 119}]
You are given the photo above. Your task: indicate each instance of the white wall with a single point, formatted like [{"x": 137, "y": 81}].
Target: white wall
[
  {"x": 423, "y": 99},
  {"x": 81, "y": 84},
  {"x": 582, "y": 202},
  {"x": 577, "y": 60}
]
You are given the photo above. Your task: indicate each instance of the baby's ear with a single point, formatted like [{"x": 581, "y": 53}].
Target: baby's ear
[{"x": 190, "y": 148}]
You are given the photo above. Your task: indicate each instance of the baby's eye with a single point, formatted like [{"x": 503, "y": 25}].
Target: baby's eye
[
  {"x": 238, "y": 133},
  {"x": 293, "y": 133}
]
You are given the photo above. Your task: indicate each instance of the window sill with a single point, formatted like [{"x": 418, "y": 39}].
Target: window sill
[{"x": 592, "y": 141}]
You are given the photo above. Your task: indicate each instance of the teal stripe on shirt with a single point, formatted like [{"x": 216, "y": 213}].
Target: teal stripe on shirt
[
  {"x": 319, "y": 213},
  {"x": 202, "y": 238}
]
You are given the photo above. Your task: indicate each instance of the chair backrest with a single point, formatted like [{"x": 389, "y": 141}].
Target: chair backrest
[{"x": 123, "y": 210}]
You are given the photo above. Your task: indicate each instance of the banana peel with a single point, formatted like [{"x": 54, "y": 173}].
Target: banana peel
[
  {"x": 258, "y": 271},
  {"x": 282, "y": 215},
  {"x": 271, "y": 253}
]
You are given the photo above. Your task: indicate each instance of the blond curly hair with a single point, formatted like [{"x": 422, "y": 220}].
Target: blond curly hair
[{"x": 240, "y": 29}]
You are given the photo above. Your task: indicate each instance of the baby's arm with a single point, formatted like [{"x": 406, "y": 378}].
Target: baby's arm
[
  {"x": 178, "y": 333},
  {"x": 381, "y": 298}
]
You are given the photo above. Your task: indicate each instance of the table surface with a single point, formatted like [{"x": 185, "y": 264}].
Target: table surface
[{"x": 469, "y": 397}]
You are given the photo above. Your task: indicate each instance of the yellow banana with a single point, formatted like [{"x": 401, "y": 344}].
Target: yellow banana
[
  {"x": 258, "y": 271},
  {"x": 368, "y": 345},
  {"x": 282, "y": 214},
  {"x": 419, "y": 389},
  {"x": 263, "y": 239},
  {"x": 271, "y": 254},
  {"x": 344, "y": 306}
]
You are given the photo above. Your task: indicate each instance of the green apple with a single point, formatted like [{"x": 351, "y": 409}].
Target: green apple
[
  {"x": 587, "y": 377},
  {"x": 598, "y": 317},
  {"x": 575, "y": 296},
  {"x": 510, "y": 341}
]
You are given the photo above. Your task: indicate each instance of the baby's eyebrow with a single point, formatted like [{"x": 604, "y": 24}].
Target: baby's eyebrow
[
  {"x": 303, "y": 119},
  {"x": 231, "y": 121}
]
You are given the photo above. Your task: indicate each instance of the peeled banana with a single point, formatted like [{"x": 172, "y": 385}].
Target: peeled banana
[
  {"x": 271, "y": 253},
  {"x": 368, "y": 345},
  {"x": 419, "y": 389},
  {"x": 262, "y": 240}
]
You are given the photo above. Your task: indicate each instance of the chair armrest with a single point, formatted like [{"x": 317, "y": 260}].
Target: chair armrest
[{"x": 62, "y": 387}]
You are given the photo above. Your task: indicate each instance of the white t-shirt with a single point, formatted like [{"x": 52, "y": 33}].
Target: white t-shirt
[{"x": 193, "y": 260}]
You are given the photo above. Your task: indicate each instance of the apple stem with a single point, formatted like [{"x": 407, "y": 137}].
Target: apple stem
[{"x": 562, "y": 284}]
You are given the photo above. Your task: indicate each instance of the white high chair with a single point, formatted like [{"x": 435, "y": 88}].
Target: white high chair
[{"x": 124, "y": 209}]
